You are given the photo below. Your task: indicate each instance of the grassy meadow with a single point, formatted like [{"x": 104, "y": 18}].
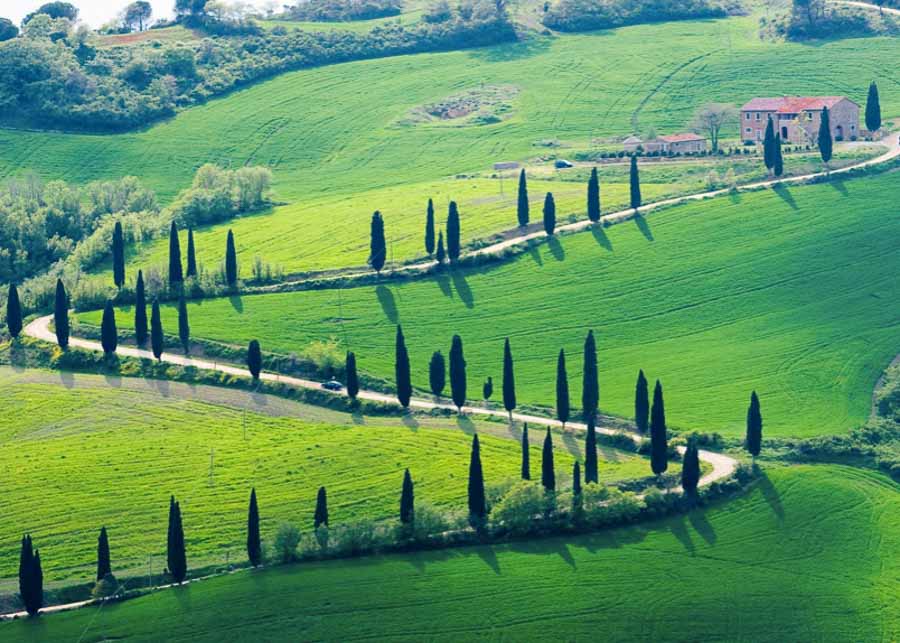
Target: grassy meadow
[
  {"x": 790, "y": 293},
  {"x": 810, "y": 553}
]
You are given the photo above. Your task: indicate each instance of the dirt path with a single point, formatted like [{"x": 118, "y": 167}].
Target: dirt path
[{"x": 868, "y": 5}]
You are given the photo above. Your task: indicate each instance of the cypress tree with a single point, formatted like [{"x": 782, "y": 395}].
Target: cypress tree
[
  {"x": 477, "y": 502},
  {"x": 590, "y": 387},
  {"x": 352, "y": 377},
  {"x": 104, "y": 567},
  {"x": 590, "y": 454},
  {"x": 824, "y": 139},
  {"x": 231, "y": 266},
  {"x": 576, "y": 479},
  {"x": 562, "y": 389},
  {"x": 635, "y": 184},
  {"x": 873, "y": 109},
  {"x": 191, "y": 255},
  {"x": 157, "y": 339},
  {"x": 26, "y": 556},
  {"x": 754, "y": 426},
  {"x": 593, "y": 197},
  {"x": 457, "y": 373},
  {"x": 659, "y": 447},
  {"x": 778, "y": 168},
  {"x": 118, "y": 255},
  {"x": 690, "y": 468},
  {"x": 184, "y": 329},
  {"x": 175, "y": 552},
  {"x": 176, "y": 277},
  {"x": 641, "y": 403},
  {"x": 548, "y": 472},
  {"x": 549, "y": 214},
  {"x": 254, "y": 359},
  {"x": 254, "y": 543},
  {"x": 453, "y": 245},
  {"x": 441, "y": 254},
  {"x": 526, "y": 455},
  {"x": 437, "y": 373},
  {"x": 61, "y": 315},
  {"x": 140, "y": 311},
  {"x": 429, "y": 229},
  {"x": 321, "y": 516},
  {"x": 769, "y": 145},
  {"x": 509, "y": 381},
  {"x": 109, "y": 336},
  {"x": 31, "y": 577},
  {"x": 522, "y": 205},
  {"x": 487, "y": 389},
  {"x": 13, "y": 311},
  {"x": 377, "y": 244},
  {"x": 407, "y": 500},
  {"x": 401, "y": 369}
]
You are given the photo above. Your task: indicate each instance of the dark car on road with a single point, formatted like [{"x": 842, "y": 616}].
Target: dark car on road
[{"x": 332, "y": 385}]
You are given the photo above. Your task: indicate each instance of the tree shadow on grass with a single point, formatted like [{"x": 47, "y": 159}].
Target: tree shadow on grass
[
  {"x": 785, "y": 195},
  {"x": 388, "y": 304},
  {"x": 702, "y": 526},
  {"x": 463, "y": 289},
  {"x": 556, "y": 249},
  {"x": 546, "y": 546},
  {"x": 525, "y": 48},
  {"x": 409, "y": 420},
  {"x": 644, "y": 227},
  {"x": 489, "y": 556},
  {"x": 67, "y": 378},
  {"x": 678, "y": 527},
  {"x": 443, "y": 282},
  {"x": 601, "y": 237},
  {"x": 571, "y": 443},
  {"x": 535, "y": 255},
  {"x": 465, "y": 423},
  {"x": 18, "y": 359},
  {"x": 237, "y": 303},
  {"x": 840, "y": 186},
  {"x": 770, "y": 493}
]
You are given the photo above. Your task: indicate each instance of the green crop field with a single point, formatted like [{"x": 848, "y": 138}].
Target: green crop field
[
  {"x": 790, "y": 292},
  {"x": 809, "y": 554},
  {"x": 82, "y": 451}
]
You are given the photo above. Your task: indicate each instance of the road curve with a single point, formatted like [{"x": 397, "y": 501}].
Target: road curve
[{"x": 868, "y": 5}]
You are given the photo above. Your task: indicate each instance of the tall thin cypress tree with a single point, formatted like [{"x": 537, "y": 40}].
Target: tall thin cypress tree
[
  {"x": 176, "y": 556},
  {"x": 352, "y": 376},
  {"x": 118, "y": 255},
  {"x": 641, "y": 403},
  {"x": 457, "y": 373},
  {"x": 140, "y": 311},
  {"x": 509, "y": 380},
  {"x": 634, "y": 181},
  {"x": 109, "y": 336},
  {"x": 441, "y": 254},
  {"x": 104, "y": 566},
  {"x": 191, "y": 270},
  {"x": 590, "y": 454},
  {"x": 526, "y": 454},
  {"x": 13, "y": 311},
  {"x": 549, "y": 214},
  {"x": 231, "y": 265},
  {"x": 824, "y": 138},
  {"x": 321, "y": 515},
  {"x": 873, "y": 109},
  {"x": 769, "y": 145},
  {"x": 254, "y": 542},
  {"x": 487, "y": 390},
  {"x": 477, "y": 501},
  {"x": 31, "y": 577},
  {"x": 157, "y": 339},
  {"x": 176, "y": 277},
  {"x": 429, "y": 228},
  {"x": 593, "y": 197},
  {"x": 522, "y": 203},
  {"x": 548, "y": 471},
  {"x": 754, "y": 426},
  {"x": 453, "y": 243},
  {"x": 690, "y": 468},
  {"x": 437, "y": 373},
  {"x": 576, "y": 479},
  {"x": 778, "y": 167},
  {"x": 590, "y": 386},
  {"x": 254, "y": 359},
  {"x": 401, "y": 369},
  {"x": 184, "y": 328},
  {"x": 377, "y": 243},
  {"x": 562, "y": 389},
  {"x": 659, "y": 446},
  {"x": 61, "y": 315},
  {"x": 407, "y": 500}
]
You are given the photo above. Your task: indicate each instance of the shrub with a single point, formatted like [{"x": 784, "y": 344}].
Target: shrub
[
  {"x": 286, "y": 540},
  {"x": 517, "y": 509}
]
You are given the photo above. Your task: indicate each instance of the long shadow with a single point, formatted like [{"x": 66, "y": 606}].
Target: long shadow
[
  {"x": 525, "y": 48},
  {"x": 535, "y": 255},
  {"x": 644, "y": 227},
  {"x": 770, "y": 493},
  {"x": 388, "y": 304},
  {"x": 556, "y": 249},
  {"x": 571, "y": 444},
  {"x": 465, "y": 423},
  {"x": 543, "y": 547},
  {"x": 443, "y": 282},
  {"x": 357, "y": 417},
  {"x": 487, "y": 554},
  {"x": 702, "y": 526},
  {"x": 838, "y": 184},
  {"x": 601, "y": 237},
  {"x": 785, "y": 195},
  {"x": 67, "y": 378},
  {"x": 237, "y": 303},
  {"x": 462, "y": 288},
  {"x": 17, "y": 356},
  {"x": 678, "y": 527},
  {"x": 409, "y": 420}
]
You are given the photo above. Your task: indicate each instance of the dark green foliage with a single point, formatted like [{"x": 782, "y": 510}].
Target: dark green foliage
[
  {"x": 824, "y": 139},
  {"x": 590, "y": 15},
  {"x": 184, "y": 328},
  {"x": 778, "y": 168},
  {"x": 549, "y": 214},
  {"x": 377, "y": 243},
  {"x": 352, "y": 377},
  {"x": 562, "y": 389},
  {"x": 526, "y": 455},
  {"x": 61, "y": 315},
  {"x": 690, "y": 468},
  {"x": 634, "y": 182},
  {"x": 487, "y": 390},
  {"x": 13, "y": 311},
  {"x": 55, "y": 9},
  {"x": 401, "y": 369},
  {"x": 593, "y": 197},
  {"x": 254, "y": 542},
  {"x": 590, "y": 386},
  {"x": 176, "y": 556},
  {"x": 453, "y": 243},
  {"x": 437, "y": 373},
  {"x": 576, "y": 479},
  {"x": 109, "y": 336},
  {"x": 754, "y": 426},
  {"x": 254, "y": 359},
  {"x": 457, "y": 373},
  {"x": 231, "y": 266},
  {"x": 157, "y": 338},
  {"x": 522, "y": 203},
  {"x": 509, "y": 380},
  {"x": 118, "y": 255},
  {"x": 191, "y": 255},
  {"x": 873, "y": 109},
  {"x": 31, "y": 577},
  {"x": 321, "y": 516},
  {"x": 407, "y": 500},
  {"x": 342, "y": 10},
  {"x": 591, "y": 473},
  {"x": 769, "y": 145},
  {"x": 140, "y": 311},
  {"x": 104, "y": 566},
  {"x": 641, "y": 403},
  {"x": 548, "y": 471},
  {"x": 175, "y": 275},
  {"x": 659, "y": 445},
  {"x": 8, "y": 30},
  {"x": 441, "y": 254},
  {"x": 429, "y": 229},
  {"x": 477, "y": 501}
]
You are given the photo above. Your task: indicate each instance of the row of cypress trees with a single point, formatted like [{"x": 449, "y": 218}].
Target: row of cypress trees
[{"x": 523, "y": 214}]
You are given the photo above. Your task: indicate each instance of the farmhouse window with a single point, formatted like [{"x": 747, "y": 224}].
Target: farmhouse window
[
  {"x": 757, "y": 115},
  {"x": 748, "y": 116}
]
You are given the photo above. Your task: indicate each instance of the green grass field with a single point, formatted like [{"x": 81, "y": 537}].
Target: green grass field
[
  {"x": 83, "y": 451},
  {"x": 791, "y": 293},
  {"x": 809, "y": 554}
]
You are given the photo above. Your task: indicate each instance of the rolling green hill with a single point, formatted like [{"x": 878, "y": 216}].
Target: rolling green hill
[{"x": 809, "y": 554}]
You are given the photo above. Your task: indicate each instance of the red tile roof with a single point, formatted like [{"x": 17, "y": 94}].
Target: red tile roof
[
  {"x": 680, "y": 138},
  {"x": 792, "y": 104}
]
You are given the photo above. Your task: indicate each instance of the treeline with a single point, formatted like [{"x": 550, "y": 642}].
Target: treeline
[
  {"x": 343, "y": 10},
  {"x": 586, "y": 15},
  {"x": 812, "y": 19},
  {"x": 52, "y": 75}
]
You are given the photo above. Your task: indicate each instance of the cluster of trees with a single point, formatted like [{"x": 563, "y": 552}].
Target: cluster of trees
[
  {"x": 586, "y": 15},
  {"x": 343, "y": 10},
  {"x": 806, "y": 19},
  {"x": 218, "y": 194}
]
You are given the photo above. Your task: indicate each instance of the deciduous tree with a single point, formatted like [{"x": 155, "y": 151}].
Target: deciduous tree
[
  {"x": 709, "y": 119},
  {"x": 401, "y": 369},
  {"x": 522, "y": 203},
  {"x": 377, "y": 243},
  {"x": 457, "y": 373},
  {"x": 659, "y": 445}
]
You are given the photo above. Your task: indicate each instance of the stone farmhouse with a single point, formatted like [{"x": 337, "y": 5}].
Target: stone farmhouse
[
  {"x": 797, "y": 118},
  {"x": 672, "y": 143}
]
